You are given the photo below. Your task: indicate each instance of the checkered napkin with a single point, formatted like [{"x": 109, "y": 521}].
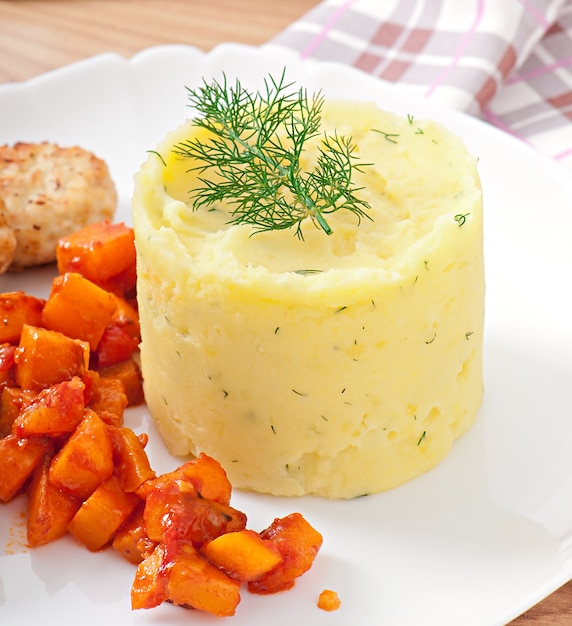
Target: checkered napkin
[{"x": 507, "y": 61}]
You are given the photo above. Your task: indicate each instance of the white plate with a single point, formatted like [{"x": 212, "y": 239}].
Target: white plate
[{"x": 476, "y": 541}]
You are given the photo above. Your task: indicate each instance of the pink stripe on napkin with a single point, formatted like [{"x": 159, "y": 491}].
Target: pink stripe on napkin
[
  {"x": 328, "y": 26},
  {"x": 460, "y": 50}
]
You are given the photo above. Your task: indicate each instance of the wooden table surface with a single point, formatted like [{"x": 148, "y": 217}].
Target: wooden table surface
[{"x": 38, "y": 36}]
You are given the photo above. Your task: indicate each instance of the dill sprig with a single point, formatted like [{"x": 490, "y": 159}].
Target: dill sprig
[{"x": 252, "y": 157}]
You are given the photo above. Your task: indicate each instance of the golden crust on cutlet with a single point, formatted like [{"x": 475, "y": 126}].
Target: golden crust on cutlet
[
  {"x": 46, "y": 192},
  {"x": 7, "y": 240}
]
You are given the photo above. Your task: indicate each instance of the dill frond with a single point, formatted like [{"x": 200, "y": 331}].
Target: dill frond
[{"x": 252, "y": 156}]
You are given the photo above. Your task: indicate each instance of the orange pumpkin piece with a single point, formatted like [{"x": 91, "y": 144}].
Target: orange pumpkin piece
[
  {"x": 115, "y": 346},
  {"x": 18, "y": 459},
  {"x": 204, "y": 474},
  {"x": 132, "y": 466},
  {"x": 208, "y": 477},
  {"x": 129, "y": 373},
  {"x": 85, "y": 460},
  {"x": 298, "y": 543},
  {"x": 329, "y": 600},
  {"x": 55, "y": 411},
  {"x": 49, "y": 509},
  {"x": 149, "y": 587},
  {"x": 126, "y": 317},
  {"x": 107, "y": 398},
  {"x": 173, "y": 514},
  {"x": 123, "y": 284},
  {"x": 242, "y": 555},
  {"x": 45, "y": 357},
  {"x": 131, "y": 540},
  {"x": 7, "y": 365},
  {"x": 193, "y": 582},
  {"x": 16, "y": 309},
  {"x": 78, "y": 308},
  {"x": 99, "y": 251},
  {"x": 12, "y": 401},
  {"x": 102, "y": 514}
]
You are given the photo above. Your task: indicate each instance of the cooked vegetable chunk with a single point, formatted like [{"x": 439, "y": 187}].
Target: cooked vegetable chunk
[
  {"x": 131, "y": 539},
  {"x": 18, "y": 459},
  {"x": 102, "y": 514},
  {"x": 45, "y": 357},
  {"x": 86, "y": 459},
  {"x": 16, "y": 309},
  {"x": 329, "y": 600},
  {"x": 78, "y": 308},
  {"x": 243, "y": 555},
  {"x": 103, "y": 252},
  {"x": 194, "y": 582},
  {"x": 55, "y": 411},
  {"x": 49, "y": 509},
  {"x": 298, "y": 543},
  {"x": 132, "y": 466}
]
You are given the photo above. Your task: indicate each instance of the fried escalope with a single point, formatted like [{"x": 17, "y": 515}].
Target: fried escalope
[{"x": 47, "y": 192}]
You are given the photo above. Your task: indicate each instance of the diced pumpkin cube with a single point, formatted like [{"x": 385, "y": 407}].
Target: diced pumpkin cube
[
  {"x": 205, "y": 474},
  {"x": 16, "y": 309},
  {"x": 132, "y": 466},
  {"x": 99, "y": 251},
  {"x": 115, "y": 346},
  {"x": 18, "y": 459},
  {"x": 7, "y": 365},
  {"x": 174, "y": 514},
  {"x": 108, "y": 398},
  {"x": 55, "y": 411},
  {"x": 242, "y": 555},
  {"x": 123, "y": 284},
  {"x": 298, "y": 543},
  {"x": 85, "y": 460},
  {"x": 126, "y": 317},
  {"x": 12, "y": 401},
  {"x": 102, "y": 514},
  {"x": 49, "y": 509},
  {"x": 208, "y": 477},
  {"x": 129, "y": 373},
  {"x": 149, "y": 588},
  {"x": 131, "y": 540},
  {"x": 93, "y": 306},
  {"x": 162, "y": 504},
  {"x": 329, "y": 600},
  {"x": 45, "y": 357},
  {"x": 193, "y": 582}
]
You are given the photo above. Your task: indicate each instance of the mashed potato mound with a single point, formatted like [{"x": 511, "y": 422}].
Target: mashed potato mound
[{"x": 339, "y": 365}]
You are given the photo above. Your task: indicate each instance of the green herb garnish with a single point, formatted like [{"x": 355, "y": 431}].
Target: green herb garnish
[
  {"x": 252, "y": 158},
  {"x": 461, "y": 218},
  {"x": 391, "y": 137}
]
